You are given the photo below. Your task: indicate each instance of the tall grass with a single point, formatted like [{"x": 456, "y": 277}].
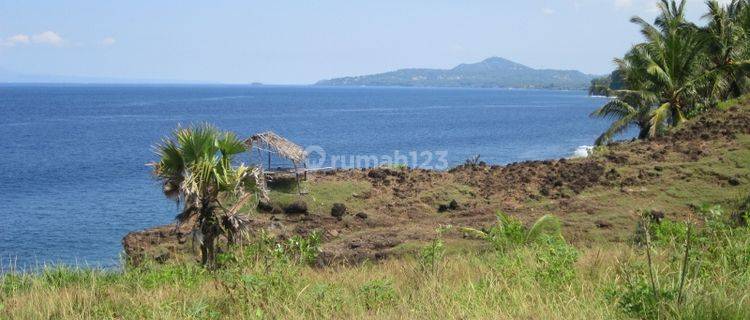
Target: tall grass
[{"x": 545, "y": 279}]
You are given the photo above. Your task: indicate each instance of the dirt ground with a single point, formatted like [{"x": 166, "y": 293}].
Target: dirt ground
[{"x": 391, "y": 211}]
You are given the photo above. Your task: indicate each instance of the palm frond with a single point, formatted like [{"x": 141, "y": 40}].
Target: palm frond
[
  {"x": 475, "y": 233},
  {"x": 614, "y": 109},
  {"x": 546, "y": 225},
  {"x": 616, "y": 128},
  {"x": 659, "y": 117}
]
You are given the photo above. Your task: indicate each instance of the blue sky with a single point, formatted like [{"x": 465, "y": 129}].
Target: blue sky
[{"x": 298, "y": 42}]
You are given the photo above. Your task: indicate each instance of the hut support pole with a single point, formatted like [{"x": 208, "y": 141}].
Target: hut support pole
[{"x": 296, "y": 176}]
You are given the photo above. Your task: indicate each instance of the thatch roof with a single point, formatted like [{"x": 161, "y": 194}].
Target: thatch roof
[{"x": 272, "y": 142}]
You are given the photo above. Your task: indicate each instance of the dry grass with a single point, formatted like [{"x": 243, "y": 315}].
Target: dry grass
[{"x": 463, "y": 285}]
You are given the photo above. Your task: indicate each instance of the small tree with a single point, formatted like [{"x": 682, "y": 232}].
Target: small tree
[{"x": 196, "y": 168}]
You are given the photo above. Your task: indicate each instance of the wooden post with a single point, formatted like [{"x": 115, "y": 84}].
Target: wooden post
[
  {"x": 269, "y": 160},
  {"x": 296, "y": 176}
]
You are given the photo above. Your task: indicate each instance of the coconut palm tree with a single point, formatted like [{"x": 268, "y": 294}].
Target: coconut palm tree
[
  {"x": 196, "y": 167},
  {"x": 671, "y": 56},
  {"x": 630, "y": 107},
  {"x": 663, "y": 75},
  {"x": 727, "y": 48}
]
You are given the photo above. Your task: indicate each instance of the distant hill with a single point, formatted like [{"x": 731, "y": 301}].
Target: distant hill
[{"x": 491, "y": 73}]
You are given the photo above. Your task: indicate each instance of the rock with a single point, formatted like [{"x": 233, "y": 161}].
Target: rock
[
  {"x": 453, "y": 205},
  {"x": 338, "y": 210},
  {"x": 333, "y": 233},
  {"x": 361, "y": 215},
  {"x": 162, "y": 257},
  {"x": 269, "y": 207},
  {"x": 298, "y": 206},
  {"x": 544, "y": 191},
  {"x": 264, "y": 206},
  {"x": 734, "y": 181},
  {"x": 741, "y": 218},
  {"x": 655, "y": 216},
  {"x": 376, "y": 174},
  {"x": 603, "y": 224}
]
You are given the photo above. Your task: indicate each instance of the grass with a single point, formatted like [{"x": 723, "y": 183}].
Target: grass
[
  {"x": 604, "y": 276},
  {"x": 321, "y": 196},
  {"x": 543, "y": 279}
]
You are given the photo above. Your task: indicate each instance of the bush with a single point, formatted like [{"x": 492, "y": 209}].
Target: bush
[
  {"x": 431, "y": 255},
  {"x": 305, "y": 250},
  {"x": 555, "y": 261},
  {"x": 636, "y": 298},
  {"x": 377, "y": 293}
]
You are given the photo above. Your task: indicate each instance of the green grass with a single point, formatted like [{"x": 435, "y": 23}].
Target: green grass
[
  {"x": 321, "y": 196},
  {"x": 444, "y": 194},
  {"x": 544, "y": 279}
]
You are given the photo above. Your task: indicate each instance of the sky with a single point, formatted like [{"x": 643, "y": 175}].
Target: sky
[{"x": 300, "y": 42}]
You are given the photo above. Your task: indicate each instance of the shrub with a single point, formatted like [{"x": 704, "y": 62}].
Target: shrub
[
  {"x": 636, "y": 298},
  {"x": 555, "y": 260},
  {"x": 305, "y": 250},
  {"x": 11, "y": 283},
  {"x": 377, "y": 293},
  {"x": 431, "y": 255}
]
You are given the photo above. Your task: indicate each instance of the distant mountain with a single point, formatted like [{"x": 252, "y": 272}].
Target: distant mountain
[{"x": 491, "y": 73}]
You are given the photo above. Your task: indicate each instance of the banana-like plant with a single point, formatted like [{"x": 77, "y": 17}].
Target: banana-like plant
[
  {"x": 196, "y": 167},
  {"x": 509, "y": 231}
]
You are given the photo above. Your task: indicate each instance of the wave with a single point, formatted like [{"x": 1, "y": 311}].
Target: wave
[{"x": 582, "y": 152}]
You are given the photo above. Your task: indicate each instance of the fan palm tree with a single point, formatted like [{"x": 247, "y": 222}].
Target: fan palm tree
[{"x": 196, "y": 167}]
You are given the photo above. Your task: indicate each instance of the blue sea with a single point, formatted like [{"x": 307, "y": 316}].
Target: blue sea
[{"x": 72, "y": 172}]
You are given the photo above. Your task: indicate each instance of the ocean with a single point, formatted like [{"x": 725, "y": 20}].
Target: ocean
[{"x": 73, "y": 177}]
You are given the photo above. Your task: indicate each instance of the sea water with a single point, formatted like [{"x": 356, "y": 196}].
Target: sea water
[{"x": 73, "y": 177}]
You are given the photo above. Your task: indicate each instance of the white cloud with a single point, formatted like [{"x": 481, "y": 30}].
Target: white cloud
[
  {"x": 621, "y": 4},
  {"x": 548, "y": 11},
  {"x": 48, "y": 37},
  {"x": 17, "y": 39},
  {"x": 108, "y": 41}
]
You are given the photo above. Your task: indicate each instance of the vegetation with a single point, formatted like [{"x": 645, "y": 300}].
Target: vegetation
[
  {"x": 696, "y": 273},
  {"x": 196, "y": 167},
  {"x": 510, "y": 232},
  {"x": 525, "y": 269},
  {"x": 680, "y": 69},
  {"x": 603, "y": 86},
  {"x": 584, "y": 258},
  {"x": 491, "y": 73}
]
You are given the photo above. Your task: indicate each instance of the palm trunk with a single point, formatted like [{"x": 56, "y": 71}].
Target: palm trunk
[
  {"x": 643, "y": 132},
  {"x": 211, "y": 230}
]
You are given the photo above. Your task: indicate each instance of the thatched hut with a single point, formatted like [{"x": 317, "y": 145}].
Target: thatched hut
[{"x": 271, "y": 143}]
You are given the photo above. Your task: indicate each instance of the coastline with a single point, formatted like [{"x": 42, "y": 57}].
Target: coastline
[{"x": 594, "y": 196}]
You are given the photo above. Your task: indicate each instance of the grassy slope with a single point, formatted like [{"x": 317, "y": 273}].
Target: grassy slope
[{"x": 470, "y": 282}]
